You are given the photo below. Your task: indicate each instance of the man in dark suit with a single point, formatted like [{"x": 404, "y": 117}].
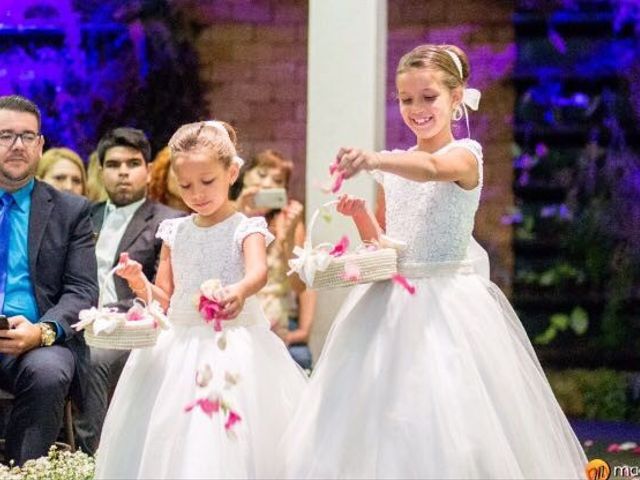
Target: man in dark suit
[
  {"x": 126, "y": 222},
  {"x": 47, "y": 275}
]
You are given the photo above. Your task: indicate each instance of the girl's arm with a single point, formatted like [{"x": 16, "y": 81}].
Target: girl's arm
[
  {"x": 163, "y": 288},
  {"x": 456, "y": 165},
  {"x": 254, "y": 250},
  {"x": 365, "y": 220}
]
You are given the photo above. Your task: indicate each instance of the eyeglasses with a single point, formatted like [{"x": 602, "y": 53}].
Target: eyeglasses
[{"x": 8, "y": 139}]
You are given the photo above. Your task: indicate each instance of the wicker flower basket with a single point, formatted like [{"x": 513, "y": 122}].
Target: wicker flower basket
[
  {"x": 319, "y": 270},
  {"x": 137, "y": 328}
]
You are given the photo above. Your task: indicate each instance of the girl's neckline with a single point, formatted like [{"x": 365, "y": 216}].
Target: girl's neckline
[
  {"x": 206, "y": 227},
  {"x": 447, "y": 145}
]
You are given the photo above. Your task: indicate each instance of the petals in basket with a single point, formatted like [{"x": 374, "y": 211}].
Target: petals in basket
[
  {"x": 309, "y": 261},
  {"x": 341, "y": 247},
  {"x": 351, "y": 272}
]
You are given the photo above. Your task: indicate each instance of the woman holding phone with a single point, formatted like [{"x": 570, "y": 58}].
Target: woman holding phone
[{"x": 287, "y": 303}]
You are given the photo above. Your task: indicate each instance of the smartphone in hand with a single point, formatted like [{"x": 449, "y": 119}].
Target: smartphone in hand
[{"x": 271, "y": 198}]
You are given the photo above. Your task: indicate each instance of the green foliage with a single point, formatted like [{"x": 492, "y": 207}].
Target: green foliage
[
  {"x": 577, "y": 321},
  {"x": 593, "y": 394}
]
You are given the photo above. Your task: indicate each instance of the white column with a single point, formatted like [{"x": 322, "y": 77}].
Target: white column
[{"x": 345, "y": 107}]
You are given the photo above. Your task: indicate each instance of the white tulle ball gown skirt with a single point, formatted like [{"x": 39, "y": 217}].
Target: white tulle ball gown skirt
[
  {"x": 441, "y": 384},
  {"x": 148, "y": 433}
]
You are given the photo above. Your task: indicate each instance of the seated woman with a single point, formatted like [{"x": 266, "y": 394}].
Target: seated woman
[
  {"x": 163, "y": 186},
  {"x": 287, "y": 303},
  {"x": 63, "y": 169}
]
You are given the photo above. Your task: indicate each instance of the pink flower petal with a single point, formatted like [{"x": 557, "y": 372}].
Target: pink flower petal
[
  {"x": 613, "y": 448},
  {"x": 333, "y": 168},
  {"x": 341, "y": 247},
  {"x": 337, "y": 183},
  {"x": 403, "y": 282},
  {"x": 232, "y": 419},
  {"x": 351, "y": 273},
  {"x": 208, "y": 406},
  {"x": 636, "y": 450}
]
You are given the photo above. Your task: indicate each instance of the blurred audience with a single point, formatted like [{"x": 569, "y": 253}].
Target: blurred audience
[
  {"x": 287, "y": 303},
  {"x": 63, "y": 169},
  {"x": 163, "y": 186}
]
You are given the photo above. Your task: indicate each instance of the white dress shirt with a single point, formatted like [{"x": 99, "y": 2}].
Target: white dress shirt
[{"x": 116, "y": 220}]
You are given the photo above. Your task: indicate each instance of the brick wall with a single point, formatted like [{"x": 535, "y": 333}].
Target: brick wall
[
  {"x": 254, "y": 64},
  {"x": 253, "y": 56}
]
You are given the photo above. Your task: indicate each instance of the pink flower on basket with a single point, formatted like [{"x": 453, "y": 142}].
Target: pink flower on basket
[
  {"x": 341, "y": 247},
  {"x": 232, "y": 419},
  {"x": 351, "y": 273},
  {"x": 207, "y": 405},
  {"x": 403, "y": 282},
  {"x": 135, "y": 313}
]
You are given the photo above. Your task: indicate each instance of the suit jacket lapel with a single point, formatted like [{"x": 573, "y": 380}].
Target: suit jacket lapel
[
  {"x": 41, "y": 206},
  {"x": 97, "y": 217},
  {"x": 135, "y": 228}
]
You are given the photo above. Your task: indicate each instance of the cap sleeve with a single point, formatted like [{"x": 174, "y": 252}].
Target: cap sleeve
[
  {"x": 476, "y": 149},
  {"x": 167, "y": 230},
  {"x": 252, "y": 225}
]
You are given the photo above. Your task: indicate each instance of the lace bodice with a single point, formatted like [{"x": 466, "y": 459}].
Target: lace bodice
[
  {"x": 435, "y": 219},
  {"x": 202, "y": 253}
]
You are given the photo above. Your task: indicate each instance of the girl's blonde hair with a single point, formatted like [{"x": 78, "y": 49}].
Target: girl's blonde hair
[
  {"x": 437, "y": 57},
  {"x": 54, "y": 155},
  {"x": 208, "y": 137}
]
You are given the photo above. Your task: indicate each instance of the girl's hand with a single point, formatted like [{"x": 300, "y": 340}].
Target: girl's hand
[
  {"x": 351, "y": 206},
  {"x": 353, "y": 160},
  {"x": 131, "y": 271},
  {"x": 233, "y": 301}
]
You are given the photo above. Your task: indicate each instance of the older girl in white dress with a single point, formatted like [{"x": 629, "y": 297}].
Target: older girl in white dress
[{"x": 443, "y": 383}]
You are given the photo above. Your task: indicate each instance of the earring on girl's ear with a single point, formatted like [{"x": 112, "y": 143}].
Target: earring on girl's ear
[{"x": 457, "y": 113}]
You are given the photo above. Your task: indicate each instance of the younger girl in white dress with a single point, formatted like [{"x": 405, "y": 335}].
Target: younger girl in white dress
[
  {"x": 443, "y": 383},
  {"x": 164, "y": 421}
]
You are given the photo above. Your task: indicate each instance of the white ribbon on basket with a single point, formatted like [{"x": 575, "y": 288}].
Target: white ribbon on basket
[
  {"x": 311, "y": 260},
  {"x": 106, "y": 320}
]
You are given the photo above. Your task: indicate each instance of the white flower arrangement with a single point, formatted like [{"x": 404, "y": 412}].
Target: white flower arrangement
[{"x": 57, "y": 465}]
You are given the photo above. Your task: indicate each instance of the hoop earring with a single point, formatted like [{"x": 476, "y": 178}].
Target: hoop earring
[{"x": 457, "y": 113}]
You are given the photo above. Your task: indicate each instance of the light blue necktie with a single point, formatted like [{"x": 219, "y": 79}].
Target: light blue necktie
[{"x": 5, "y": 207}]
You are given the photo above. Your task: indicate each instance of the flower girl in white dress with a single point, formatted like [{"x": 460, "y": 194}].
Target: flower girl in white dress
[
  {"x": 214, "y": 395},
  {"x": 442, "y": 383}
]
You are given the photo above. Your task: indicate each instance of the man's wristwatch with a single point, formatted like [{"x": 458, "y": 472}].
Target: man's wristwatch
[{"x": 47, "y": 334}]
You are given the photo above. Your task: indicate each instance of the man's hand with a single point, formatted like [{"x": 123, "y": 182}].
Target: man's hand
[{"x": 20, "y": 338}]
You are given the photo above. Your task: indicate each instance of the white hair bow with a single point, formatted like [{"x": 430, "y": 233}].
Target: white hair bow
[{"x": 471, "y": 98}]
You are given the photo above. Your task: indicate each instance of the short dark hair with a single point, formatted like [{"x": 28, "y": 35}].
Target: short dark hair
[
  {"x": 125, "y": 137},
  {"x": 17, "y": 103}
]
